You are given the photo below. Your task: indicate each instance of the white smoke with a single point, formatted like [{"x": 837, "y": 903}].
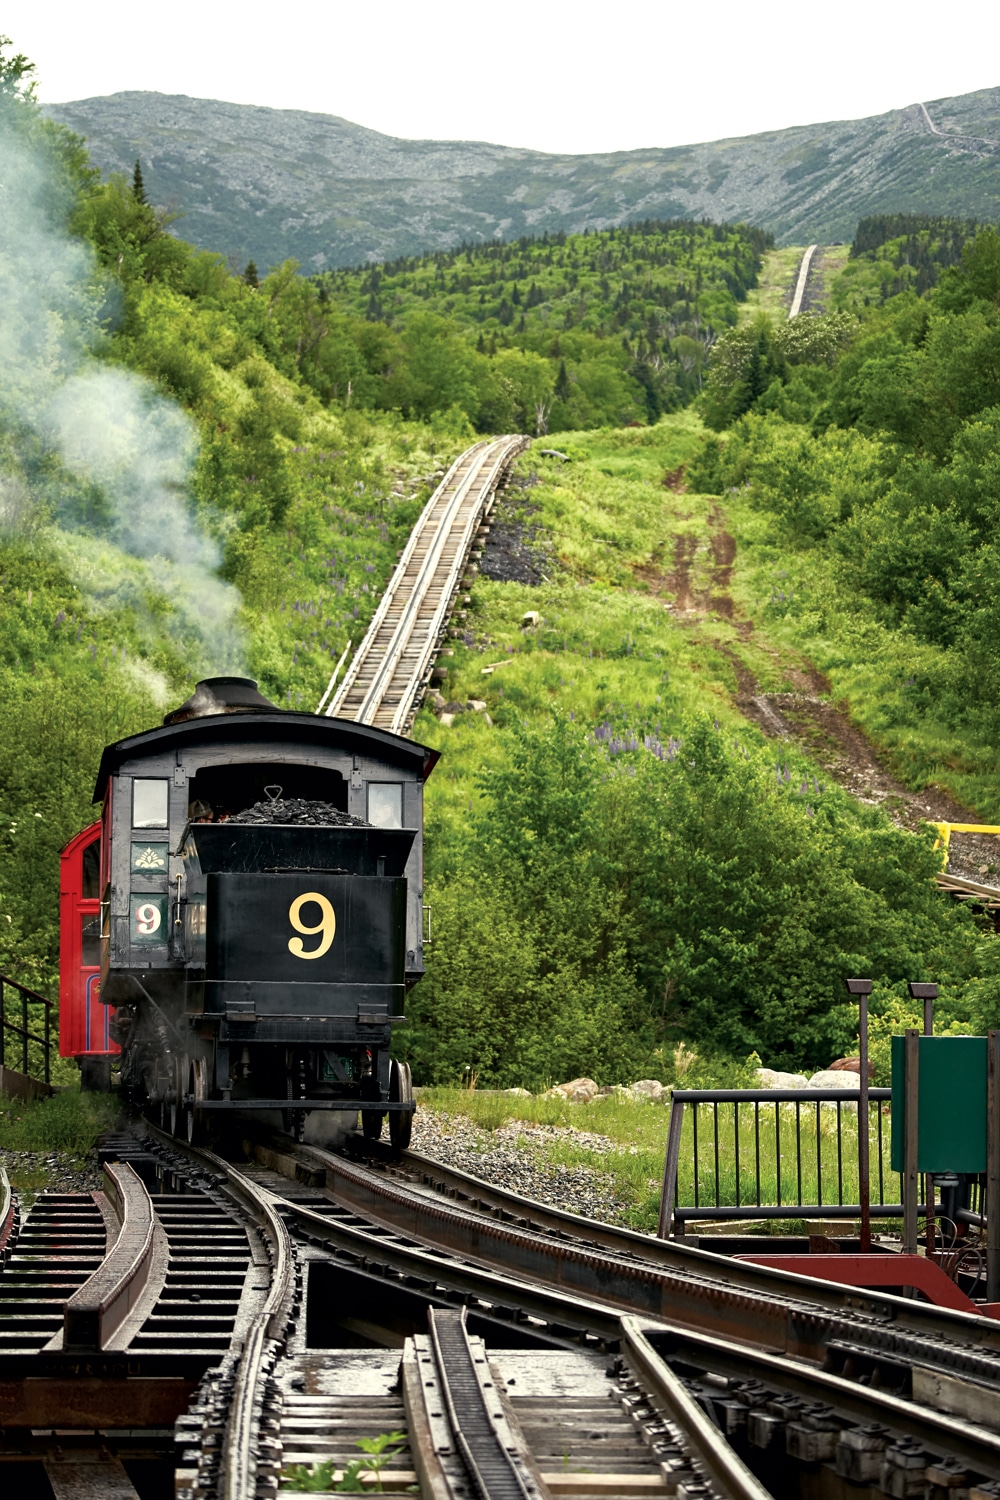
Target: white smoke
[{"x": 130, "y": 451}]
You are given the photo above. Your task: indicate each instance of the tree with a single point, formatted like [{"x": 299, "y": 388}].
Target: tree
[
  {"x": 138, "y": 186},
  {"x": 562, "y": 385},
  {"x": 250, "y": 275},
  {"x": 16, "y": 81}
]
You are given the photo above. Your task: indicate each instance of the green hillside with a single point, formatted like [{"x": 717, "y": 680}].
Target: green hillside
[
  {"x": 618, "y": 858},
  {"x": 268, "y": 184},
  {"x": 547, "y": 334}
]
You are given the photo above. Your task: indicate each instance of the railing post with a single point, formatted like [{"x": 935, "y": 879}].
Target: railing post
[
  {"x": 993, "y": 1166},
  {"x": 3, "y": 1026},
  {"x": 48, "y": 1041},
  {"x": 862, "y": 988},
  {"x": 24, "y": 1034},
  {"x": 670, "y": 1167}
]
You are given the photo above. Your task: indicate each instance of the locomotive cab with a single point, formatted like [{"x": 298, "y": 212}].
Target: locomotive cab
[{"x": 261, "y": 910}]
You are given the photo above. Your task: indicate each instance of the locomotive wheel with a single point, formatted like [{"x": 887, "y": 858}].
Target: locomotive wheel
[
  {"x": 194, "y": 1115},
  {"x": 401, "y": 1092}
]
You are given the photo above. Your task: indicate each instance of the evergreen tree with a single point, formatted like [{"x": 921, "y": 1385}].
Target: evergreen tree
[
  {"x": 138, "y": 187},
  {"x": 250, "y": 275},
  {"x": 562, "y": 383}
]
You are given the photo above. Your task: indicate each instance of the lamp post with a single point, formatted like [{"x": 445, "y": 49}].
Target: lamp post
[{"x": 861, "y": 989}]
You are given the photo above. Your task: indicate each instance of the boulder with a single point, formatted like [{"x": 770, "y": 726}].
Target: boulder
[
  {"x": 577, "y": 1091},
  {"x": 520, "y": 1093},
  {"x": 850, "y": 1065},
  {"x": 446, "y": 719},
  {"x": 647, "y": 1088},
  {"x": 437, "y": 700},
  {"x": 829, "y": 1078},
  {"x": 476, "y": 705},
  {"x": 770, "y": 1078}
]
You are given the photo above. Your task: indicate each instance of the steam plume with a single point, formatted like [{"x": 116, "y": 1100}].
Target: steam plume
[{"x": 126, "y": 453}]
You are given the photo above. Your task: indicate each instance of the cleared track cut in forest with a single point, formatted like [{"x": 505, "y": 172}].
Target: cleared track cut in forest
[{"x": 390, "y": 672}]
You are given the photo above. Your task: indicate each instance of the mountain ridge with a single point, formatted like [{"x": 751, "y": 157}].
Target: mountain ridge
[{"x": 268, "y": 184}]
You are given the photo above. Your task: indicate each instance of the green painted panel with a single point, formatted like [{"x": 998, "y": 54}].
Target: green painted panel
[{"x": 951, "y": 1104}]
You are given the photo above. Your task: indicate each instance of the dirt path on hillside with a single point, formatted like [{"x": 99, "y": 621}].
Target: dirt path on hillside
[{"x": 698, "y": 585}]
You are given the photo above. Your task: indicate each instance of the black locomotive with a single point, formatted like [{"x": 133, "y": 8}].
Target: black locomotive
[{"x": 261, "y": 911}]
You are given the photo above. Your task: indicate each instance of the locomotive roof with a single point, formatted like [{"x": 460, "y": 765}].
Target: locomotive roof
[{"x": 281, "y": 724}]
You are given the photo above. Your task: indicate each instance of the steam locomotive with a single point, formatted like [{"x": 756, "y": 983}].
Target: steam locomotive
[{"x": 245, "y": 918}]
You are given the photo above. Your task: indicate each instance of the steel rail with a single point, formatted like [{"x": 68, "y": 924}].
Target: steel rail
[
  {"x": 973, "y": 1445},
  {"x": 265, "y": 1329},
  {"x": 386, "y": 668},
  {"x": 240, "y": 1446},
  {"x": 451, "y": 583},
  {"x": 644, "y": 1274},
  {"x": 710, "y": 1451},
  {"x": 918, "y": 1317},
  {"x": 9, "y": 1217},
  {"x": 426, "y": 550},
  {"x": 395, "y": 584},
  {"x": 97, "y": 1309}
]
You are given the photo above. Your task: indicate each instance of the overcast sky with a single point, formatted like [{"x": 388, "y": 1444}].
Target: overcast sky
[{"x": 556, "y": 76}]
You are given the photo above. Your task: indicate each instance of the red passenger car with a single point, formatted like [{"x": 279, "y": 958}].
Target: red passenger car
[{"x": 83, "y": 1021}]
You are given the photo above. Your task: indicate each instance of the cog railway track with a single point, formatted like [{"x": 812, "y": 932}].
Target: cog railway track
[{"x": 391, "y": 669}]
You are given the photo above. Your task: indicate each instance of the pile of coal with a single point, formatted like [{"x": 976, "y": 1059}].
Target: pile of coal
[{"x": 298, "y": 810}]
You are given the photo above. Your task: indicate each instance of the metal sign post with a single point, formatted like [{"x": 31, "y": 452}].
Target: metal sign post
[
  {"x": 993, "y": 1166},
  {"x": 862, "y": 988},
  {"x": 928, "y": 994},
  {"x": 911, "y": 1107}
]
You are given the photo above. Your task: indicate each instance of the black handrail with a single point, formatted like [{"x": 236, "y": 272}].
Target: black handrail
[
  {"x": 28, "y": 997},
  {"x": 673, "y": 1214}
]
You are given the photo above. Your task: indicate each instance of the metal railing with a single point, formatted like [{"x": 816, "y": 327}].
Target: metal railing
[
  {"x": 27, "y": 997},
  {"x": 772, "y": 1154}
]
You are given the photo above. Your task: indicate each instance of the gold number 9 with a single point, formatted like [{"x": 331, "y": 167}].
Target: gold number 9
[{"x": 327, "y": 925}]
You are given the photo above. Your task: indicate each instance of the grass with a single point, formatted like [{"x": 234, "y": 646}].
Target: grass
[
  {"x": 69, "y": 1121},
  {"x": 630, "y": 1156},
  {"x": 869, "y": 664},
  {"x": 776, "y": 287},
  {"x": 607, "y": 645}
]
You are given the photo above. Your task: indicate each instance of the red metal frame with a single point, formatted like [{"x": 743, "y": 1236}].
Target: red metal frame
[
  {"x": 83, "y": 1020},
  {"x": 875, "y": 1270}
]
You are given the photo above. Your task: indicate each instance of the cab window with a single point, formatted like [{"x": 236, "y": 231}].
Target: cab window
[
  {"x": 385, "y": 804},
  {"x": 149, "y": 803}
]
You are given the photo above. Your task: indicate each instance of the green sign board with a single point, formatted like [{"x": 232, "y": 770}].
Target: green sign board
[{"x": 951, "y": 1103}]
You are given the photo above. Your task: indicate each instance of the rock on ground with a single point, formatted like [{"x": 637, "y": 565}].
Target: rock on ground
[
  {"x": 578, "y": 1090},
  {"x": 769, "y": 1078},
  {"x": 828, "y": 1078}
]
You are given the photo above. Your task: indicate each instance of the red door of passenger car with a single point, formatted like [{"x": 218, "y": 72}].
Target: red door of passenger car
[{"x": 83, "y": 1020}]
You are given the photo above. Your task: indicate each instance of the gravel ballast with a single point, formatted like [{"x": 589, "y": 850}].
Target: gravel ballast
[{"x": 512, "y": 1157}]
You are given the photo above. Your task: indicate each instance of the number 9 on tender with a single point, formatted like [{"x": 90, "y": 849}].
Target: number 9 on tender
[{"x": 325, "y": 928}]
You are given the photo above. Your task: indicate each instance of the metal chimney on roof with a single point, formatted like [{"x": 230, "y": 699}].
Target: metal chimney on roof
[{"x": 221, "y": 695}]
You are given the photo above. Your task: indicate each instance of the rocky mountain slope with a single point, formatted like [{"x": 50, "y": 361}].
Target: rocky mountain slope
[{"x": 276, "y": 183}]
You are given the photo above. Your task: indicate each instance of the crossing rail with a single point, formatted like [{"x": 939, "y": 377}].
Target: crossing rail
[{"x": 391, "y": 669}]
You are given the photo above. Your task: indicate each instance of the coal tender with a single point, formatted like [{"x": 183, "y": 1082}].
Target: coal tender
[{"x": 262, "y": 915}]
